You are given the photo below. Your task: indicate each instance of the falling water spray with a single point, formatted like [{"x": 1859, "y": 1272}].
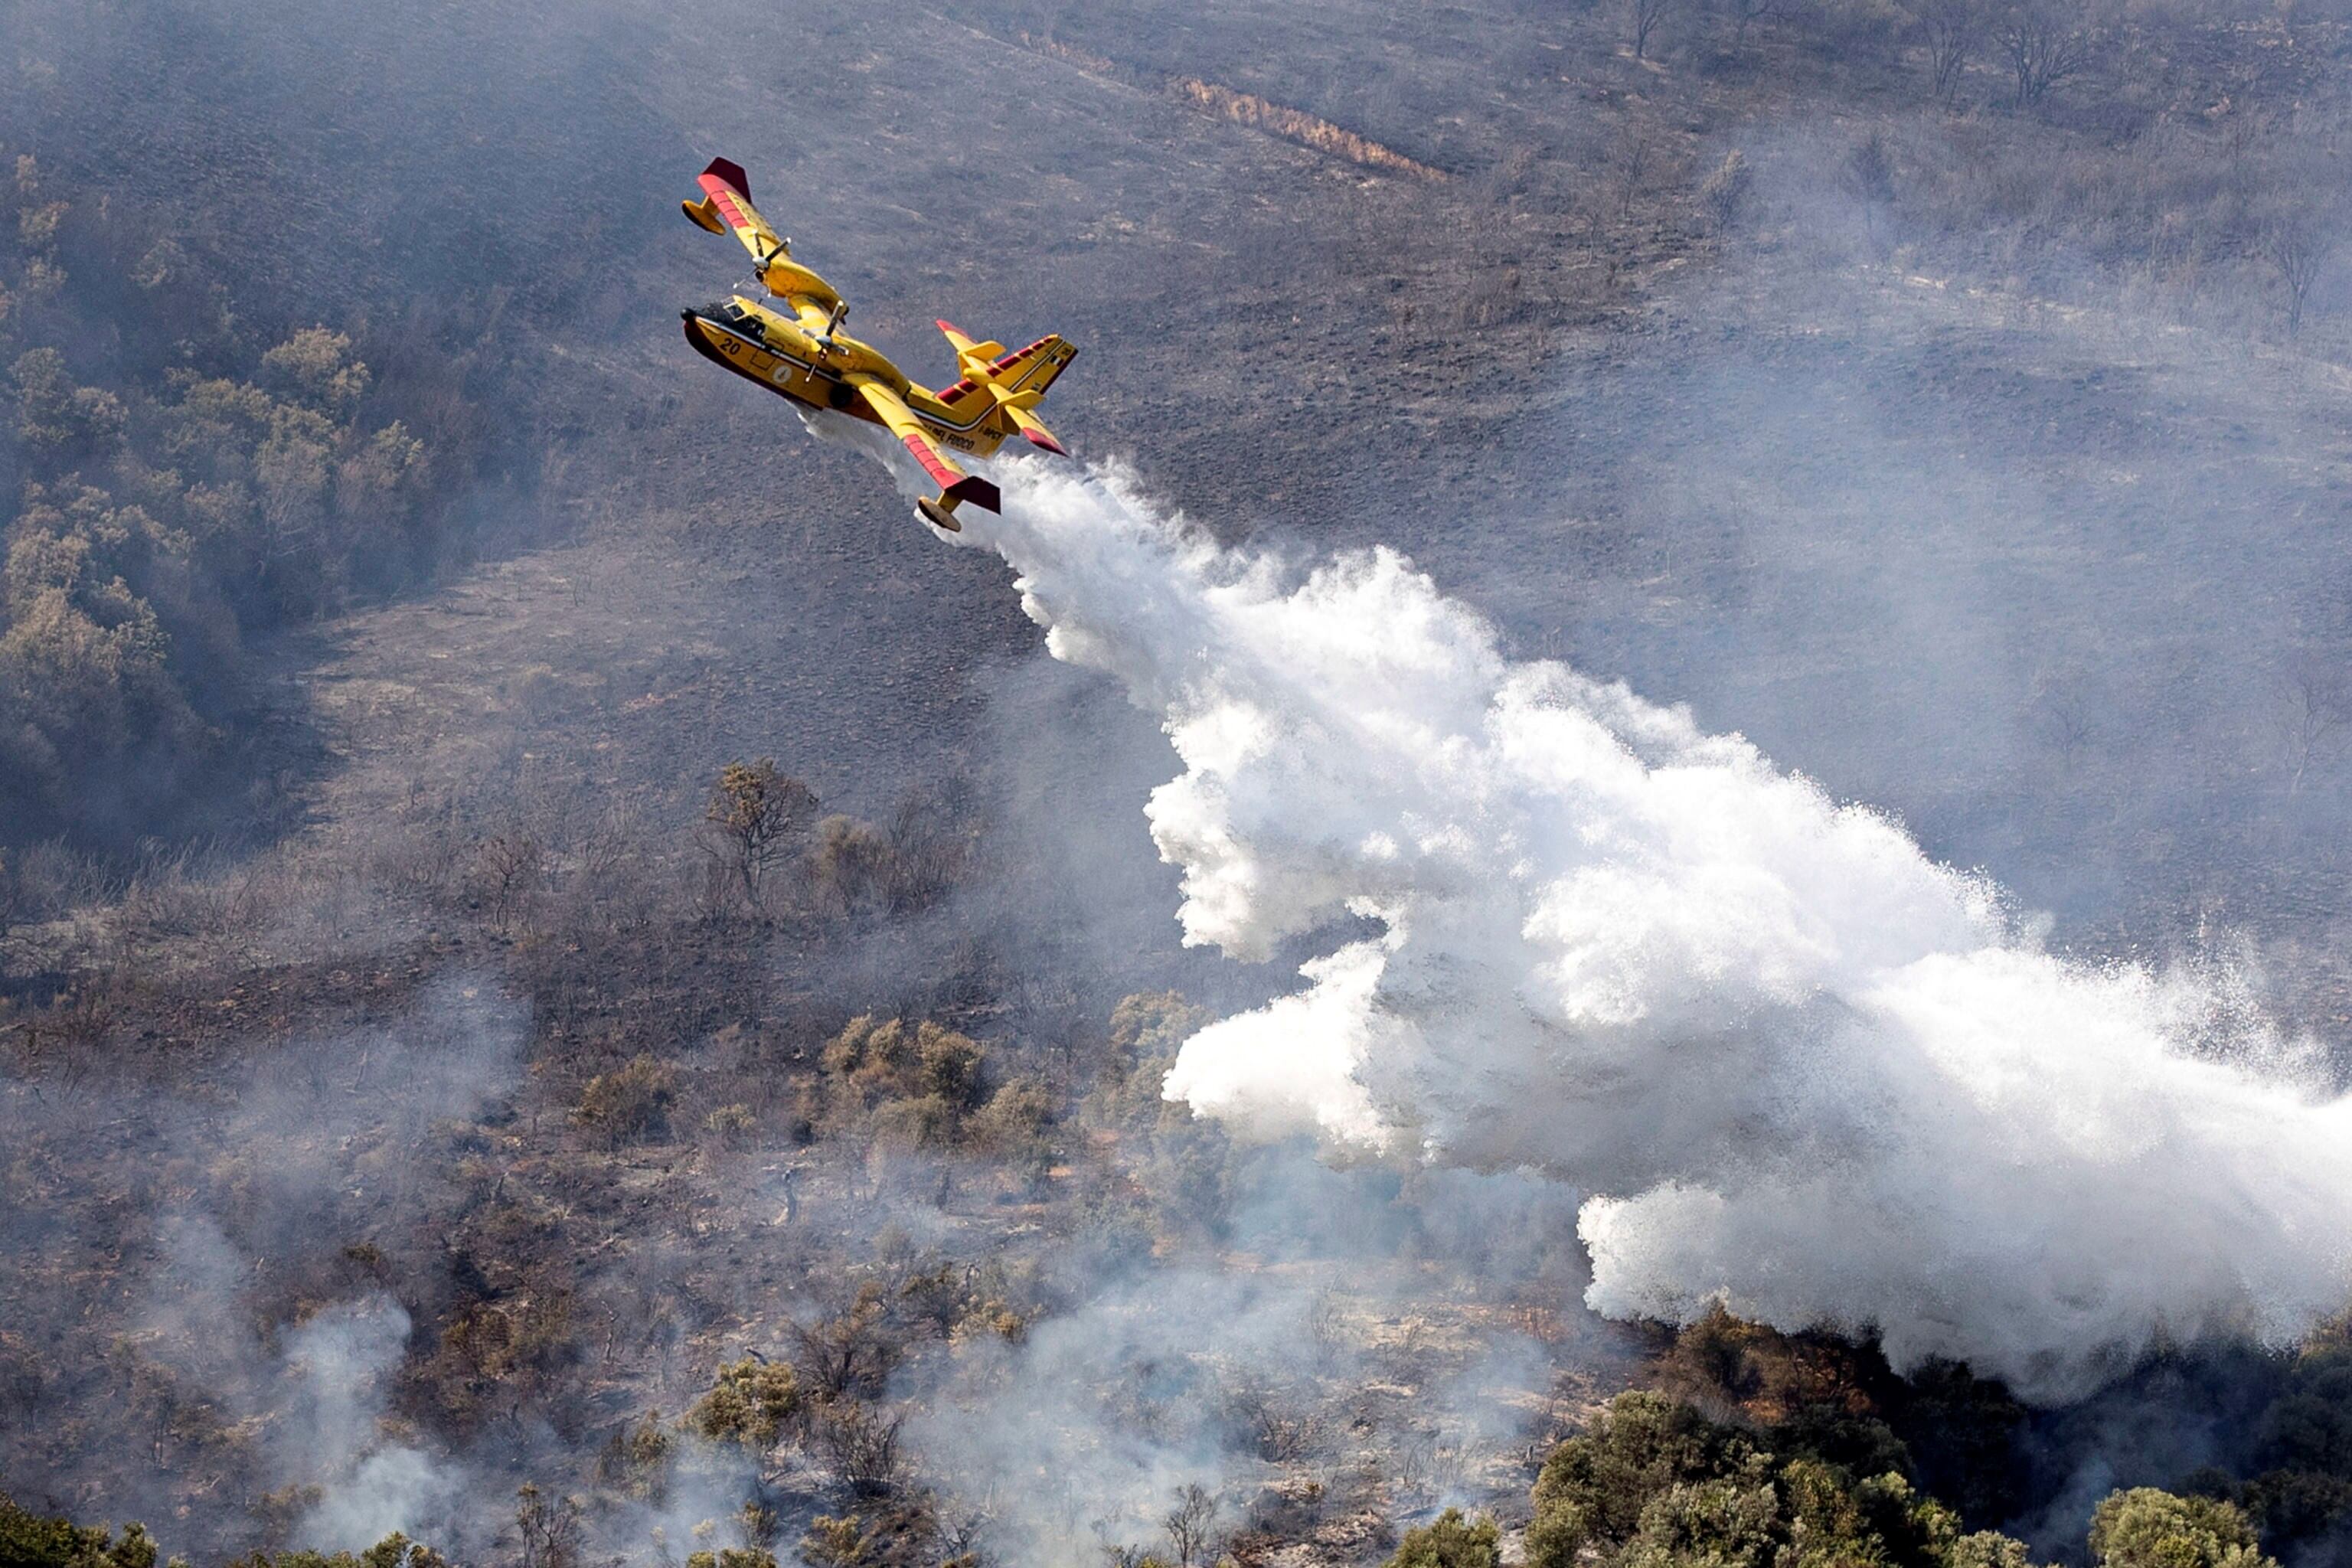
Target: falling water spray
[{"x": 1792, "y": 1064}]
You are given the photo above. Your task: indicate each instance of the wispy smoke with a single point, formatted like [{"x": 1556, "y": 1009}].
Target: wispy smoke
[
  {"x": 260, "y": 1356},
  {"x": 1794, "y": 1065},
  {"x": 369, "y": 1486}
]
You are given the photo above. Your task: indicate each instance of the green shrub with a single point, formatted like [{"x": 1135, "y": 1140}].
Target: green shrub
[
  {"x": 1450, "y": 1540},
  {"x": 730, "y": 1125},
  {"x": 750, "y": 1404},
  {"x": 632, "y": 1102},
  {"x": 28, "y": 1540},
  {"x": 2146, "y": 1528},
  {"x": 1654, "y": 1484},
  {"x": 913, "y": 1086}
]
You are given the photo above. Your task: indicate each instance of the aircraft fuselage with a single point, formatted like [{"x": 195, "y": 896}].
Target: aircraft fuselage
[{"x": 789, "y": 359}]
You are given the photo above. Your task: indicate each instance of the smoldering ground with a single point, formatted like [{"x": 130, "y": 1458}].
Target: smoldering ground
[
  {"x": 1735, "y": 552},
  {"x": 227, "y": 1276}
]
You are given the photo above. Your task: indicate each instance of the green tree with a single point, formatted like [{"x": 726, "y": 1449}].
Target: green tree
[
  {"x": 29, "y": 1539},
  {"x": 61, "y": 421},
  {"x": 1595, "y": 1487},
  {"x": 2146, "y": 1528},
  {"x": 915, "y": 1086},
  {"x": 630, "y": 1102},
  {"x": 1450, "y": 1540},
  {"x": 750, "y": 1404},
  {"x": 1654, "y": 1484},
  {"x": 394, "y": 1551},
  {"x": 317, "y": 365}
]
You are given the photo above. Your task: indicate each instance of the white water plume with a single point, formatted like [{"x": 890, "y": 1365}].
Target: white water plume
[{"x": 1797, "y": 1067}]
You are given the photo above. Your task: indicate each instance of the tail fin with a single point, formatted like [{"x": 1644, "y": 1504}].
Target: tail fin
[{"x": 1016, "y": 382}]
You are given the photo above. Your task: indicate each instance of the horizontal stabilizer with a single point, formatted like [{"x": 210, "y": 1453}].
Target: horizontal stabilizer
[{"x": 1030, "y": 425}]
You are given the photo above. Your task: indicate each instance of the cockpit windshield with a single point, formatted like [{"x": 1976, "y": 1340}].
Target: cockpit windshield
[{"x": 736, "y": 316}]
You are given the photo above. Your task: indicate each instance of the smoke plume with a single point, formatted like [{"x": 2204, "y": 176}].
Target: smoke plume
[{"x": 1792, "y": 1064}]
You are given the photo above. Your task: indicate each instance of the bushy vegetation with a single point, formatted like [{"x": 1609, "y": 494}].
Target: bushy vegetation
[
  {"x": 630, "y": 1102},
  {"x": 926, "y": 1087},
  {"x": 28, "y": 1540},
  {"x": 179, "y": 473},
  {"x": 2300, "y": 1487},
  {"x": 1652, "y": 1482},
  {"x": 2146, "y": 1528},
  {"x": 770, "y": 855},
  {"x": 750, "y": 1404},
  {"x": 1450, "y": 1540}
]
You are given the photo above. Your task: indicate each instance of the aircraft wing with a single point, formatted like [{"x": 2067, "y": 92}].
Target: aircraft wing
[
  {"x": 955, "y": 485},
  {"x": 726, "y": 208}
]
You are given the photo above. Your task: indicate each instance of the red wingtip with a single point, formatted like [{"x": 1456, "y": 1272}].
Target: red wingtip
[
  {"x": 945, "y": 326},
  {"x": 732, "y": 172},
  {"x": 1042, "y": 439}
]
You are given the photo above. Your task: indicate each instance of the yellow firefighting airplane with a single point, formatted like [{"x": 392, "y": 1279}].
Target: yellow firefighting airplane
[{"x": 806, "y": 357}]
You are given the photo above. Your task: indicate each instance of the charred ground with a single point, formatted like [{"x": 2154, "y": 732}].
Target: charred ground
[{"x": 406, "y": 1076}]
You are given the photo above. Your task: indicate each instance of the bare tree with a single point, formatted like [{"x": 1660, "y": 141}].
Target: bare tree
[
  {"x": 2299, "y": 243},
  {"x": 507, "y": 866},
  {"x": 2069, "y": 723},
  {"x": 1724, "y": 193},
  {"x": 1745, "y": 14},
  {"x": 2044, "y": 43},
  {"x": 756, "y": 816},
  {"x": 11, "y": 904},
  {"x": 2319, "y": 704},
  {"x": 77, "y": 1029},
  {"x": 1277, "y": 1423},
  {"x": 1645, "y": 16},
  {"x": 863, "y": 1448},
  {"x": 547, "y": 1530},
  {"x": 847, "y": 1353},
  {"x": 1416, "y": 1455},
  {"x": 1190, "y": 1523},
  {"x": 1326, "y": 1325},
  {"x": 1951, "y": 29},
  {"x": 1868, "y": 176},
  {"x": 1633, "y": 157}
]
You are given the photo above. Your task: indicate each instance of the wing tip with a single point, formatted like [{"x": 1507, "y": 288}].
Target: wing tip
[
  {"x": 979, "y": 491},
  {"x": 732, "y": 172},
  {"x": 1045, "y": 439}
]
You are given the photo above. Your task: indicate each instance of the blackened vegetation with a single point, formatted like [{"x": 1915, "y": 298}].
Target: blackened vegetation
[{"x": 707, "y": 1136}]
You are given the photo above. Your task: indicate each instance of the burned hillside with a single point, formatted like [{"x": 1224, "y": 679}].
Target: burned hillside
[{"x": 573, "y": 987}]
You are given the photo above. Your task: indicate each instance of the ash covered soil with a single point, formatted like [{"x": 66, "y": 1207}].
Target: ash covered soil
[{"x": 2038, "y": 566}]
